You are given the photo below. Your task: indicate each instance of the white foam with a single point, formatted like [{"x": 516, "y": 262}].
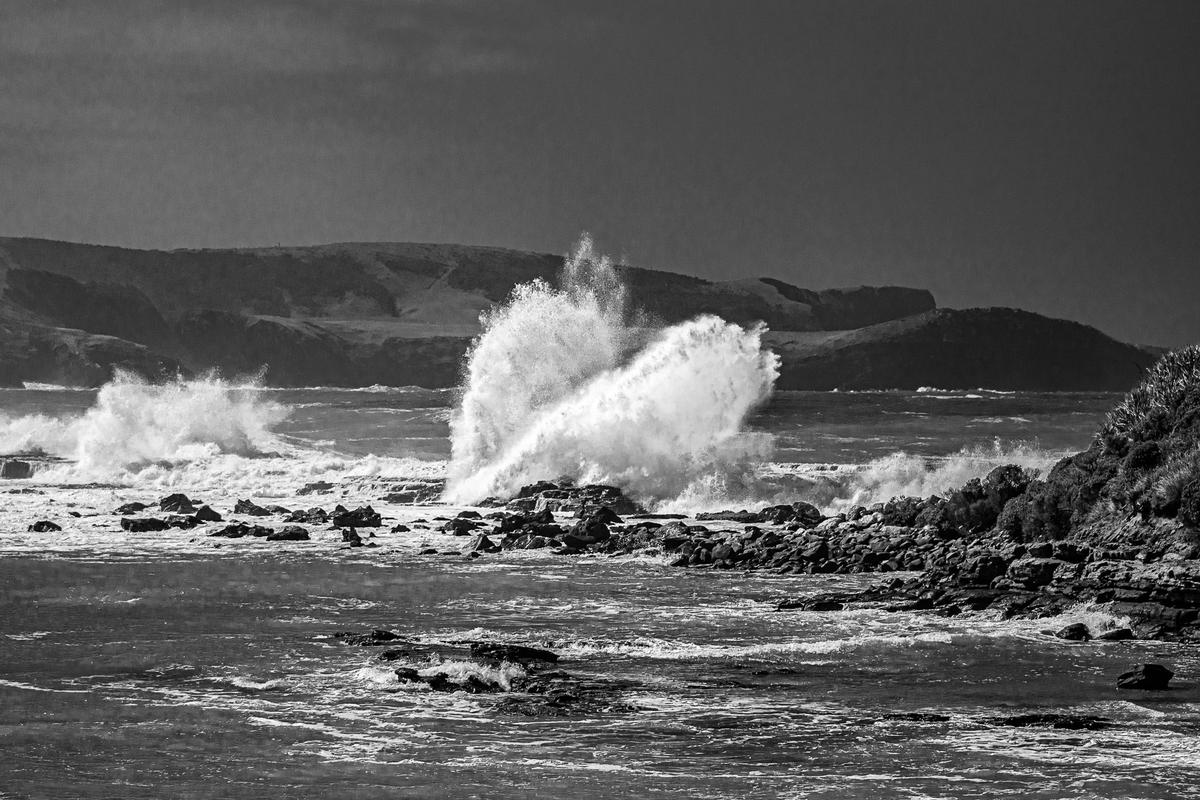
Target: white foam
[{"x": 550, "y": 391}]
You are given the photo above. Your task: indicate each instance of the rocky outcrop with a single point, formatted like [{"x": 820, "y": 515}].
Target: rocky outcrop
[{"x": 996, "y": 348}]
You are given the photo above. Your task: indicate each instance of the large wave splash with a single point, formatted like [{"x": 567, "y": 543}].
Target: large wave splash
[
  {"x": 554, "y": 388},
  {"x": 134, "y": 424}
]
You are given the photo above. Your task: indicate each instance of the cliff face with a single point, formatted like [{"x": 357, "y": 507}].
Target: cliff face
[{"x": 358, "y": 314}]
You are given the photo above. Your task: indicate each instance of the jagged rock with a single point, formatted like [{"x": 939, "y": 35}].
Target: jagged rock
[
  {"x": 182, "y": 521},
  {"x": 483, "y": 544},
  {"x": 249, "y": 508},
  {"x": 1148, "y": 677},
  {"x": 44, "y": 526},
  {"x": 363, "y": 517},
  {"x": 130, "y": 508},
  {"x": 460, "y": 527},
  {"x": 144, "y": 524},
  {"x": 177, "y": 504},
  {"x": 289, "y": 533},
  {"x": 351, "y": 537}
]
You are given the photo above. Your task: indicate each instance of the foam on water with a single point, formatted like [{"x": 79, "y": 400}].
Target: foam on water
[{"x": 551, "y": 390}]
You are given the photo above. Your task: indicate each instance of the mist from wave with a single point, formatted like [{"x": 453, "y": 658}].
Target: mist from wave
[{"x": 559, "y": 385}]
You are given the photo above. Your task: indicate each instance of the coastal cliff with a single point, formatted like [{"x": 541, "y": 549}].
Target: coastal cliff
[{"x": 405, "y": 314}]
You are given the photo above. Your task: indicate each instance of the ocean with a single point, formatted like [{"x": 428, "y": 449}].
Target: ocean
[{"x": 172, "y": 664}]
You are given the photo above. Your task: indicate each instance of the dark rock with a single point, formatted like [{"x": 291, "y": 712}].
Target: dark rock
[
  {"x": 206, "y": 514},
  {"x": 461, "y": 527},
  {"x": 130, "y": 508},
  {"x": 400, "y": 529},
  {"x": 469, "y": 515},
  {"x": 313, "y": 516},
  {"x": 316, "y": 487},
  {"x": 182, "y": 521},
  {"x": 374, "y": 638},
  {"x": 176, "y": 504},
  {"x": 250, "y": 509},
  {"x": 1075, "y": 632},
  {"x": 289, "y": 533},
  {"x": 515, "y": 653},
  {"x": 1115, "y": 635},
  {"x": 363, "y": 517},
  {"x": 144, "y": 524},
  {"x": 240, "y": 529},
  {"x": 809, "y": 604},
  {"x": 44, "y": 526},
  {"x": 351, "y": 536},
  {"x": 428, "y": 551},
  {"x": 483, "y": 544},
  {"x": 1148, "y": 677},
  {"x": 1070, "y": 722}
]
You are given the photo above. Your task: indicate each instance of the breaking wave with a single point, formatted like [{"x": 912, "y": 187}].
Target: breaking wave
[
  {"x": 135, "y": 424},
  {"x": 556, "y": 387}
]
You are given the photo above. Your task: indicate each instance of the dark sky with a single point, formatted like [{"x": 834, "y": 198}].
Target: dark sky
[{"x": 1040, "y": 154}]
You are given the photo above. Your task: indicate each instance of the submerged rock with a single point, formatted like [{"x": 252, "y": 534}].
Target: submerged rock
[
  {"x": 1075, "y": 632},
  {"x": 44, "y": 526},
  {"x": 130, "y": 508},
  {"x": 374, "y": 638},
  {"x": 515, "y": 653},
  {"x": 240, "y": 529},
  {"x": 362, "y": 517},
  {"x": 313, "y": 516},
  {"x": 1070, "y": 722}
]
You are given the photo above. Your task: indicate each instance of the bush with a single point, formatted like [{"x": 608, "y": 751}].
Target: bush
[
  {"x": 1143, "y": 456},
  {"x": 1189, "y": 504},
  {"x": 1170, "y": 391}
]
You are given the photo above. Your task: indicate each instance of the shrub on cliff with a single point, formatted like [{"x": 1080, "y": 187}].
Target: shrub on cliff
[{"x": 1165, "y": 404}]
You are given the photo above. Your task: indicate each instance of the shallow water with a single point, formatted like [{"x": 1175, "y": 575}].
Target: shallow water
[{"x": 173, "y": 665}]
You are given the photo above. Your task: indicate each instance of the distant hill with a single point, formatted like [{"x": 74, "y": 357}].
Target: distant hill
[{"x": 404, "y": 314}]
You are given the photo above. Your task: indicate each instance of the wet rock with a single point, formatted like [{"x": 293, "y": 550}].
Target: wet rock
[
  {"x": 206, "y": 514},
  {"x": 130, "y": 508},
  {"x": 316, "y": 487},
  {"x": 428, "y": 551},
  {"x": 144, "y": 524},
  {"x": 181, "y": 521},
  {"x": 1115, "y": 635},
  {"x": 177, "y": 504},
  {"x": 1147, "y": 677},
  {"x": 250, "y": 509},
  {"x": 483, "y": 544},
  {"x": 241, "y": 529},
  {"x": 289, "y": 533},
  {"x": 810, "y": 604},
  {"x": 1075, "y": 632},
  {"x": 313, "y": 516},
  {"x": 982, "y": 570},
  {"x": 351, "y": 537},
  {"x": 469, "y": 515},
  {"x": 362, "y": 517},
  {"x": 731, "y": 516},
  {"x": 1070, "y": 722},
  {"x": 44, "y": 526},
  {"x": 400, "y": 529},
  {"x": 915, "y": 716},
  {"x": 374, "y": 638},
  {"x": 460, "y": 527},
  {"x": 515, "y": 653}
]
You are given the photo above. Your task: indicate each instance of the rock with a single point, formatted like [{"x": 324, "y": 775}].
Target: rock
[
  {"x": 289, "y": 533},
  {"x": 515, "y": 653},
  {"x": 317, "y": 487},
  {"x": 428, "y": 551},
  {"x": 15, "y": 469},
  {"x": 44, "y": 526},
  {"x": 240, "y": 529},
  {"x": 375, "y": 638},
  {"x": 362, "y": 517},
  {"x": 1115, "y": 635},
  {"x": 177, "y": 504},
  {"x": 460, "y": 527},
  {"x": 250, "y": 509},
  {"x": 483, "y": 544},
  {"x": 206, "y": 514},
  {"x": 313, "y": 516},
  {"x": 144, "y": 524},
  {"x": 130, "y": 508},
  {"x": 1075, "y": 632},
  {"x": 351, "y": 536},
  {"x": 182, "y": 521},
  {"x": 469, "y": 515},
  {"x": 400, "y": 529},
  {"x": 1070, "y": 722},
  {"x": 809, "y": 604},
  {"x": 1148, "y": 677}
]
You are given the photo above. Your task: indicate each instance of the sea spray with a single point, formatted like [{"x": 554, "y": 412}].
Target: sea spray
[
  {"x": 134, "y": 423},
  {"x": 552, "y": 390}
]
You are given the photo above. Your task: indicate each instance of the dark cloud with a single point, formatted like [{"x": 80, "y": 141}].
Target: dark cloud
[{"x": 1038, "y": 154}]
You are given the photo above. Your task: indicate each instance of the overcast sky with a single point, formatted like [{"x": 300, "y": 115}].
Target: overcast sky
[{"x": 1044, "y": 154}]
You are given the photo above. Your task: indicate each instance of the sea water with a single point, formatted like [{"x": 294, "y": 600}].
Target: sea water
[{"x": 176, "y": 665}]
